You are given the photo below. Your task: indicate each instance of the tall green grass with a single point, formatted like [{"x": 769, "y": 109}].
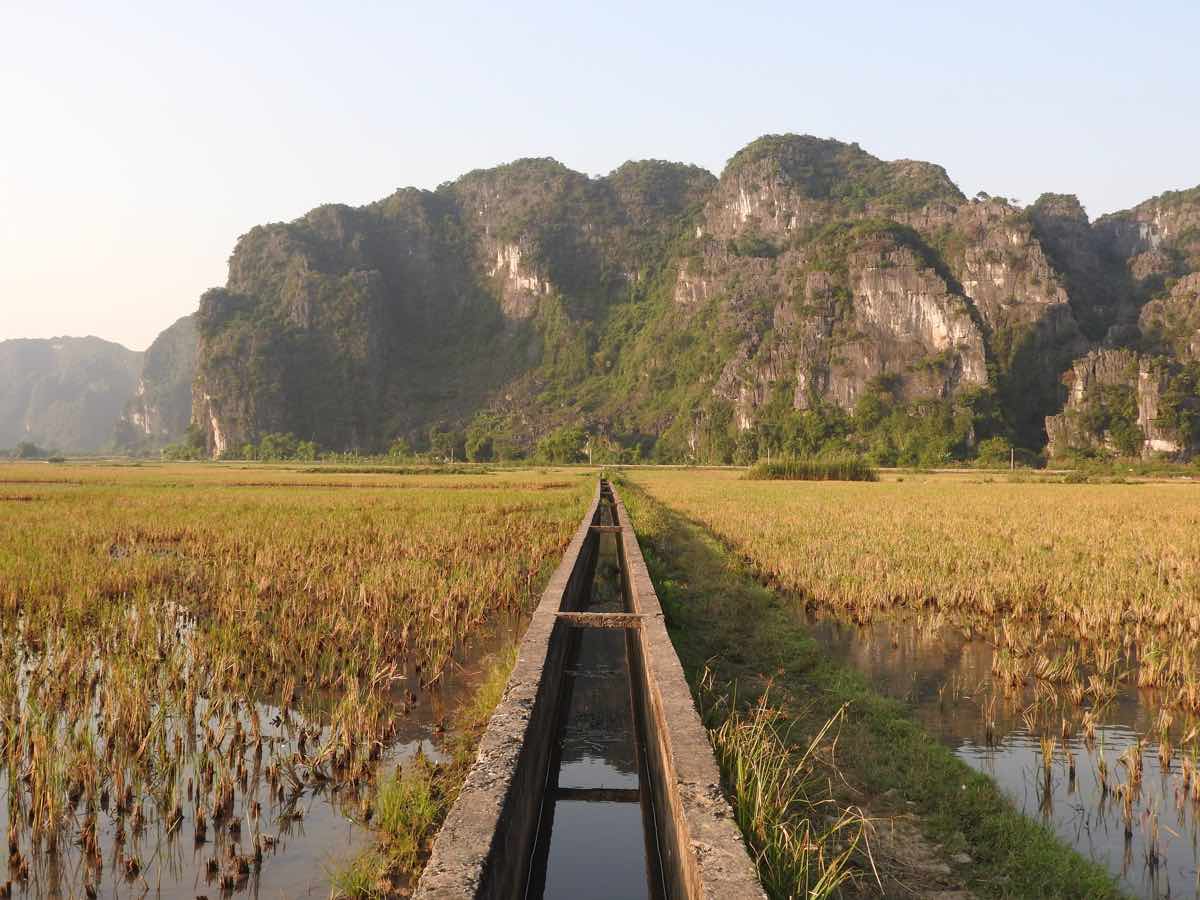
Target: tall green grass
[
  {"x": 835, "y": 468},
  {"x": 408, "y": 806},
  {"x": 364, "y": 877},
  {"x": 802, "y": 840}
]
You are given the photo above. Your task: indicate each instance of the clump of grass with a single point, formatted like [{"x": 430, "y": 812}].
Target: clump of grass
[
  {"x": 411, "y": 802},
  {"x": 363, "y": 877},
  {"x": 836, "y": 468},
  {"x": 408, "y": 805},
  {"x": 475, "y": 714},
  {"x": 802, "y": 841}
]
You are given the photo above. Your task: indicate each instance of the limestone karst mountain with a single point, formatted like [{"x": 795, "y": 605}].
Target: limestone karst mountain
[
  {"x": 811, "y": 296},
  {"x": 161, "y": 408},
  {"x": 1139, "y": 390},
  {"x": 88, "y": 395},
  {"x": 63, "y": 393},
  {"x": 692, "y": 315}
]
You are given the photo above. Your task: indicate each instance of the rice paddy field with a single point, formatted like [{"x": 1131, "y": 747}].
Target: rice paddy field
[
  {"x": 206, "y": 671},
  {"x": 1049, "y": 632}
]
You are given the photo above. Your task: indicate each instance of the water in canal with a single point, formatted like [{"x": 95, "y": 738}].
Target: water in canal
[{"x": 596, "y": 836}]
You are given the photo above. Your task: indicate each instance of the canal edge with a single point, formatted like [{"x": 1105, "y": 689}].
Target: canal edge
[{"x": 483, "y": 847}]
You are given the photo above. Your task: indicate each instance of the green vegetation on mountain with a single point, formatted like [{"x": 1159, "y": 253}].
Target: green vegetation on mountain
[
  {"x": 813, "y": 299},
  {"x": 846, "y": 174},
  {"x": 1179, "y": 409}
]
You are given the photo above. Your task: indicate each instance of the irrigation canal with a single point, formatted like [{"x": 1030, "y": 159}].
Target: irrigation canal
[
  {"x": 595, "y": 778},
  {"x": 596, "y": 833}
]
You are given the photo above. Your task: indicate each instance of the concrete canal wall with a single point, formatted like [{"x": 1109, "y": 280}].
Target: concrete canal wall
[{"x": 485, "y": 847}]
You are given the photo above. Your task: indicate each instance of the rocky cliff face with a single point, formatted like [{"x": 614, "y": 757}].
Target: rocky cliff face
[
  {"x": 161, "y": 408},
  {"x": 539, "y": 229},
  {"x": 1144, "y": 264},
  {"x": 352, "y": 326},
  {"x": 1114, "y": 401},
  {"x": 1170, "y": 323},
  {"x": 827, "y": 319},
  {"x": 1097, "y": 282},
  {"x": 1024, "y": 300},
  {"x": 320, "y": 316},
  {"x": 64, "y": 393},
  {"x": 656, "y": 301},
  {"x": 1158, "y": 237},
  {"x": 931, "y": 286},
  {"x": 784, "y": 184}
]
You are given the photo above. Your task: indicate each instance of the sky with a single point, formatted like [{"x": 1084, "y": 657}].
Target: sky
[{"x": 139, "y": 140}]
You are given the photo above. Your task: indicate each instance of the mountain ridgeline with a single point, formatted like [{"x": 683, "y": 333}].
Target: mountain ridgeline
[
  {"x": 813, "y": 297},
  {"x": 83, "y": 395}
]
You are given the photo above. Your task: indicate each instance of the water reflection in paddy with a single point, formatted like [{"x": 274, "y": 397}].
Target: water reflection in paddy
[
  {"x": 302, "y": 822},
  {"x": 1088, "y": 791}
]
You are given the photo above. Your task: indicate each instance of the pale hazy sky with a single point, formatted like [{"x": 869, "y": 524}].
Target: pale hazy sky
[{"x": 138, "y": 140}]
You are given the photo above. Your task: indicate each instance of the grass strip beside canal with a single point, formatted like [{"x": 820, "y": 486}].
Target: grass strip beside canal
[{"x": 412, "y": 801}]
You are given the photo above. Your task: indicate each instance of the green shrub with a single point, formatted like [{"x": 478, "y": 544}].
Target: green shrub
[
  {"x": 839, "y": 468},
  {"x": 563, "y": 445}
]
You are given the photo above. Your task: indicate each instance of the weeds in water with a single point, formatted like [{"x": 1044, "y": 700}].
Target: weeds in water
[
  {"x": 410, "y": 802},
  {"x": 475, "y": 714},
  {"x": 1048, "y": 744},
  {"x": 408, "y": 807}
]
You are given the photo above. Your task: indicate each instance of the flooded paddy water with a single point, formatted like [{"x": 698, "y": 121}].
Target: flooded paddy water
[
  {"x": 1119, "y": 782},
  {"x": 250, "y": 803}
]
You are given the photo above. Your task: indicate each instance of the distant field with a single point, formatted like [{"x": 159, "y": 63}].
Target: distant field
[
  {"x": 1087, "y": 585},
  {"x": 153, "y": 618}
]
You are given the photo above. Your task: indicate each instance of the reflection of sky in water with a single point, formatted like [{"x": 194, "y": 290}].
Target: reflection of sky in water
[
  {"x": 606, "y": 594},
  {"x": 592, "y": 839},
  {"x": 597, "y": 742},
  {"x": 946, "y": 676},
  {"x": 598, "y": 852}
]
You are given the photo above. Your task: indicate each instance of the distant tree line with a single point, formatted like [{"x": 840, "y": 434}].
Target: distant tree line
[
  {"x": 883, "y": 429},
  {"x": 30, "y": 450}
]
